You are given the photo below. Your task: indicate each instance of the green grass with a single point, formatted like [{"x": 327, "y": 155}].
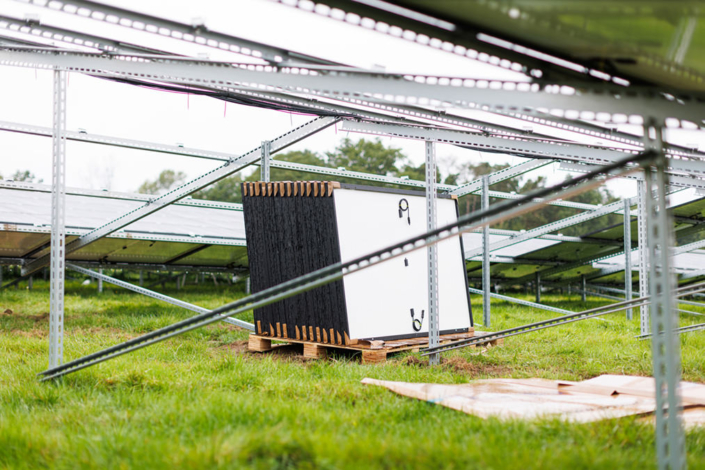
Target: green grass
[{"x": 198, "y": 401}]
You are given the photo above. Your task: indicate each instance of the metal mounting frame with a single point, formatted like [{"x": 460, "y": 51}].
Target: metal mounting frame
[
  {"x": 190, "y": 187},
  {"x": 376, "y": 86}
]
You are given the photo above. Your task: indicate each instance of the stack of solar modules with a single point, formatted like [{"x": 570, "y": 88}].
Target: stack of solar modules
[
  {"x": 291, "y": 231},
  {"x": 294, "y": 228}
]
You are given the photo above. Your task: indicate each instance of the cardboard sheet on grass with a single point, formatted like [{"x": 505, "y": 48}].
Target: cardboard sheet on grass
[{"x": 603, "y": 397}]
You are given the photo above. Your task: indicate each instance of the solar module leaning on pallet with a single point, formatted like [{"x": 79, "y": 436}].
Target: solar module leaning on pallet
[{"x": 294, "y": 228}]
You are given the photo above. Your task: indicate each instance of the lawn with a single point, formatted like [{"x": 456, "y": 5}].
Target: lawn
[{"x": 201, "y": 401}]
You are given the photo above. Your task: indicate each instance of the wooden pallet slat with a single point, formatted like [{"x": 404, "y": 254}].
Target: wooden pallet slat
[{"x": 316, "y": 342}]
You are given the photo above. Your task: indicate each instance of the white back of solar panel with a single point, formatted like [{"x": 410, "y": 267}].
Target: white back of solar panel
[{"x": 379, "y": 299}]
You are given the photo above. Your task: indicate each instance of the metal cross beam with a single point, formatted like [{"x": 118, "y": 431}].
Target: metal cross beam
[
  {"x": 193, "y": 33},
  {"x": 117, "y": 142},
  {"x": 376, "y": 86},
  {"x": 156, "y": 295},
  {"x": 598, "y": 132},
  {"x": 673, "y": 180},
  {"x": 568, "y": 318},
  {"x": 559, "y": 238},
  {"x": 235, "y": 165},
  {"x": 34, "y": 29},
  {"x": 688, "y": 248},
  {"x": 552, "y": 227},
  {"x": 516, "y": 146},
  {"x": 526, "y": 303},
  {"x": 501, "y": 175},
  {"x": 45, "y": 188}
]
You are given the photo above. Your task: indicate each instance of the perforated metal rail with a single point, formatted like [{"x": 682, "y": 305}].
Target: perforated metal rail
[{"x": 542, "y": 325}]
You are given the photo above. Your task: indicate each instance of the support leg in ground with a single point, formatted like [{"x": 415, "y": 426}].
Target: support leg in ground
[
  {"x": 643, "y": 254},
  {"x": 486, "y": 306},
  {"x": 670, "y": 439},
  {"x": 58, "y": 222},
  {"x": 628, "y": 255},
  {"x": 432, "y": 252}
]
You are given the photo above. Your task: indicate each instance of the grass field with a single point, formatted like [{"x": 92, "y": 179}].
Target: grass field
[{"x": 200, "y": 401}]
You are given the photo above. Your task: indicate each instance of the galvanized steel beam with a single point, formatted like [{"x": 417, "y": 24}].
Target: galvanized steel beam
[
  {"x": 432, "y": 251},
  {"x": 552, "y": 227},
  {"x": 377, "y": 86},
  {"x": 155, "y": 295},
  {"x": 57, "y": 256},
  {"x": 196, "y": 33}
]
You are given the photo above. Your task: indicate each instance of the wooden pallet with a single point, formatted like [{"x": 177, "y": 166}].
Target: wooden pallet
[{"x": 372, "y": 351}]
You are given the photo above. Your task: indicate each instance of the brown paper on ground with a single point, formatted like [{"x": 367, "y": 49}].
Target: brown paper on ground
[
  {"x": 522, "y": 399},
  {"x": 691, "y": 393}
]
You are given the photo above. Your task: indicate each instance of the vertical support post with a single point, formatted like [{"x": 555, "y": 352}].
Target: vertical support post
[
  {"x": 58, "y": 223},
  {"x": 248, "y": 286},
  {"x": 538, "y": 287},
  {"x": 583, "y": 288},
  {"x": 628, "y": 255},
  {"x": 1, "y": 268},
  {"x": 30, "y": 283},
  {"x": 264, "y": 166},
  {"x": 431, "y": 199},
  {"x": 100, "y": 282},
  {"x": 142, "y": 278},
  {"x": 670, "y": 439},
  {"x": 643, "y": 255},
  {"x": 486, "y": 309}
]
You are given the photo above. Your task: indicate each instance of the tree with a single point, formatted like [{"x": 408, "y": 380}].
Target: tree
[
  {"x": 225, "y": 190},
  {"x": 167, "y": 180},
  {"x": 26, "y": 176},
  {"x": 367, "y": 156}
]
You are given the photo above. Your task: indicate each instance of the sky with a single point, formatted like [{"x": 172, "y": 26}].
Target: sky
[{"x": 107, "y": 108}]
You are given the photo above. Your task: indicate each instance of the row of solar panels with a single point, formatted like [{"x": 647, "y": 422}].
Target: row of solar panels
[
  {"x": 202, "y": 237},
  {"x": 178, "y": 235},
  {"x": 563, "y": 261}
]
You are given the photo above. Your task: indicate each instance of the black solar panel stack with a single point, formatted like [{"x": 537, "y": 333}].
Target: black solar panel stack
[{"x": 291, "y": 230}]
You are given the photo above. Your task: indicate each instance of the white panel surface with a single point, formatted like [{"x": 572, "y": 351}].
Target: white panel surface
[{"x": 379, "y": 299}]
